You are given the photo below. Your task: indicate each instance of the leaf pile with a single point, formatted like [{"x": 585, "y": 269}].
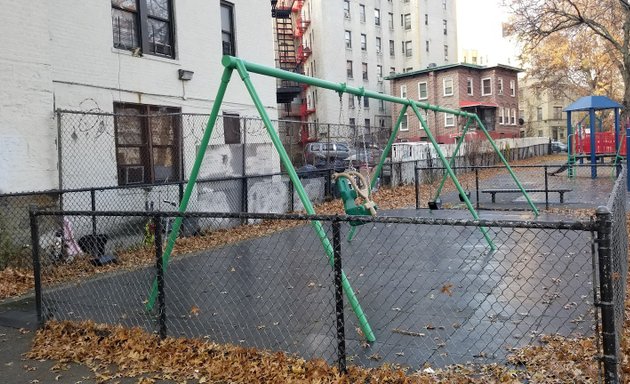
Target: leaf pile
[{"x": 114, "y": 352}]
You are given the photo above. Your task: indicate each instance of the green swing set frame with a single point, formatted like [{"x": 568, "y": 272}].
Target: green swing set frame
[{"x": 244, "y": 68}]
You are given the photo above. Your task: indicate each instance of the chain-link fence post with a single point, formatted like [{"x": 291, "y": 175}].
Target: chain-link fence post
[
  {"x": 604, "y": 232},
  {"x": 477, "y": 185},
  {"x": 93, "y": 206},
  {"x": 415, "y": 183},
  {"x": 37, "y": 270},
  {"x": 159, "y": 269},
  {"x": 341, "y": 336},
  {"x": 291, "y": 196},
  {"x": 546, "y": 188}
]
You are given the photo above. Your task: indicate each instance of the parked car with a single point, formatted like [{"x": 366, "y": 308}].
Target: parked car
[
  {"x": 557, "y": 146},
  {"x": 325, "y": 151},
  {"x": 371, "y": 156}
]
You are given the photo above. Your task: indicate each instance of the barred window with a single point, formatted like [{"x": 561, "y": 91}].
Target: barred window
[
  {"x": 144, "y": 24},
  {"x": 148, "y": 143}
]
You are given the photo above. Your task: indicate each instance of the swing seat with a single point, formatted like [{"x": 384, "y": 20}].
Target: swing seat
[
  {"x": 435, "y": 205},
  {"x": 349, "y": 191}
]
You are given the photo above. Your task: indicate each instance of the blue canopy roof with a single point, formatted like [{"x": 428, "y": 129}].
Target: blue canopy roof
[{"x": 592, "y": 102}]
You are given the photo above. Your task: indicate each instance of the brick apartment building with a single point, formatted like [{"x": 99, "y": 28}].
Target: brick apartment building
[{"x": 490, "y": 92}]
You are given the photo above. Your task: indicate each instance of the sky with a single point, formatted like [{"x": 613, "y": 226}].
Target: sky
[{"x": 479, "y": 27}]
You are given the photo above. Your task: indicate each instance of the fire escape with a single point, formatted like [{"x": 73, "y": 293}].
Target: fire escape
[{"x": 291, "y": 54}]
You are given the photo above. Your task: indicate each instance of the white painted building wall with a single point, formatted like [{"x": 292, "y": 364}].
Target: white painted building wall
[
  {"x": 27, "y": 129},
  {"x": 60, "y": 55},
  {"x": 67, "y": 61}
]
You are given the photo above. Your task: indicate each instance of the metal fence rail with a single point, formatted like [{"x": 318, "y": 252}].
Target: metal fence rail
[
  {"x": 430, "y": 288},
  {"x": 549, "y": 183}
]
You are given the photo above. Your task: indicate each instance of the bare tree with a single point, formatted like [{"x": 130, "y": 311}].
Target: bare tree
[{"x": 536, "y": 22}]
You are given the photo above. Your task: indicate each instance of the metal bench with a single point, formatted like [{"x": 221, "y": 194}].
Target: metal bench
[{"x": 494, "y": 192}]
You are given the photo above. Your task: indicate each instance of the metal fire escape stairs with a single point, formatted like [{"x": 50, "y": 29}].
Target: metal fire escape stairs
[{"x": 286, "y": 52}]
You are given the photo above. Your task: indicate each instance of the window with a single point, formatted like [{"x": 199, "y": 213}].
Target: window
[
  {"x": 346, "y": 9},
  {"x": 501, "y": 115},
  {"x": 512, "y": 88},
  {"x": 392, "y": 70},
  {"x": 367, "y": 125},
  {"x": 231, "y": 128},
  {"x": 391, "y": 48},
  {"x": 426, "y": 19},
  {"x": 539, "y": 113},
  {"x": 449, "y": 120},
  {"x": 364, "y": 66},
  {"x": 540, "y": 133},
  {"x": 422, "y": 91},
  {"x": 469, "y": 86},
  {"x": 366, "y": 102},
  {"x": 144, "y": 24},
  {"x": 445, "y": 27},
  {"x": 445, "y": 52},
  {"x": 407, "y": 21},
  {"x": 426, "y": 44},
  {"x": 486, "y": 87},
  {"x": 379, "y": 72},
  {"x": 363, "y": 42},
  {"x": 227, "y": 28},
  {"x": 408, "y": 69},
  {"x": 390, "y": 19},
  {"x": 378, "y": 45},
  {"x": 500, "y": 86},
  {"x": 557, "y": 112},
  {"x": 408, "y": 49},
  {"x": 350, "y": 100},
  {"x": 448, "y": 87},
  {"x": 403, "y": 91},
  {"x": 352, "y": 122},
  {"x": 147, "y": 143},
  {"x": 513, "y": 117},
  {"x": 381, "y": 104},
  {"x": 362, "y": 12},
  {"x": 403, "y": 123},
  {"x": 349, "y": 69},
  {"x": 377, "y": 16},
  {"x": 348, "y": 39}
]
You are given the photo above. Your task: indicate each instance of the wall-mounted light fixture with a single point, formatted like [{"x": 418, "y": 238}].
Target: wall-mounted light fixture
[{"x": 185, "y": 74}]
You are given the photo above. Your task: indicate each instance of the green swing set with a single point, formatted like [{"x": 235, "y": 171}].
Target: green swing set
[{"x": 244, "y": 68}]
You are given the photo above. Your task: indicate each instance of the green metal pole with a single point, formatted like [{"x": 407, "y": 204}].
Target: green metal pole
[
  {"x": 225, "y": 79},
  {"x": 452, "y": 161},
  {"x": 450, "y": 172},
  {"x": 518, "y": 183},
  {"x": 317, "y": 225},
  {"x": 230, "y": 61},
  {"x": 388, "y": 147}
]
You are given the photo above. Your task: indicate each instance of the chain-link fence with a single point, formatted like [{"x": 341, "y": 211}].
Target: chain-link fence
[
  {"x": 432, "y": 291},
  {"x": 140, "y": 159},
  {"x": 492, "y": 187},
  {"x": 613, "y": 272}
]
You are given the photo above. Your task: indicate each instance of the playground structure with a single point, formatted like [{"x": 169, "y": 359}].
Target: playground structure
[
  {"x": 244, "y": 69},
  {"x": 595, "y": 144}
]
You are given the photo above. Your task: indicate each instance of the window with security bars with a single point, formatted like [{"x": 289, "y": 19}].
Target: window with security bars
[
  {"x": 148, "y": 143},
  {"x": 146, "y": 25}
]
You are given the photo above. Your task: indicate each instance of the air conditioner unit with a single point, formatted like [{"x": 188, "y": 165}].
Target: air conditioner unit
[{"x": 133, "y": 174}]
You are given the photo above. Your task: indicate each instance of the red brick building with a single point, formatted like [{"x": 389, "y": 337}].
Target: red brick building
[{"x": 490, "y": 92}]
